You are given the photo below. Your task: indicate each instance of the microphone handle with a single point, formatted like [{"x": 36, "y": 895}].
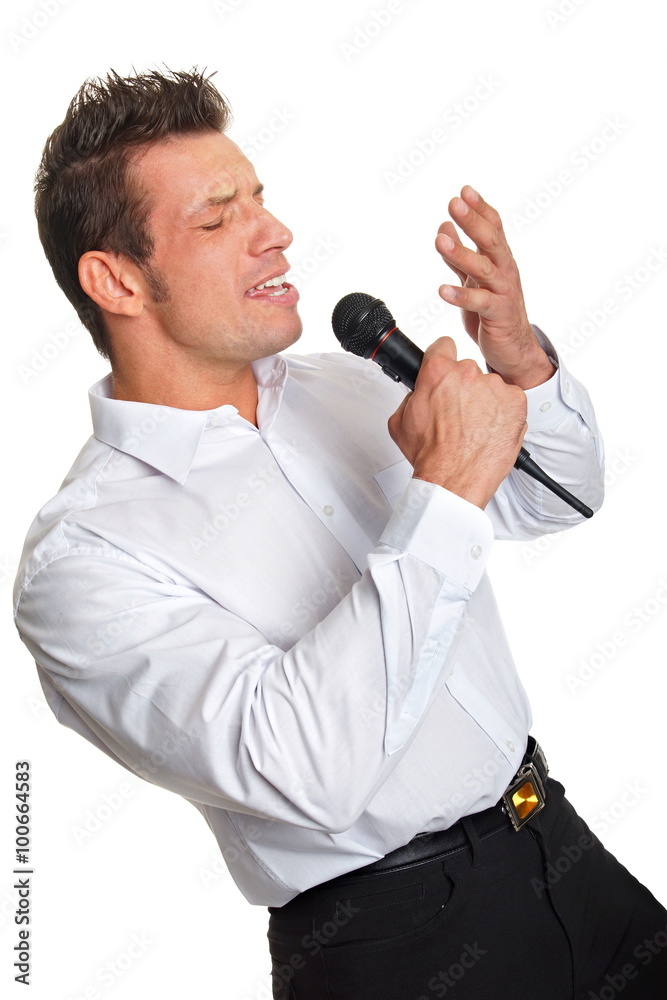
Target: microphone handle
[{"x": 400, "y": 359}]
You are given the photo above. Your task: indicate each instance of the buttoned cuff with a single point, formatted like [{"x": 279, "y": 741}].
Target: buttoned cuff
[
  {"x": 553, "y": 401},
  {"x": 443, "y": 530}
]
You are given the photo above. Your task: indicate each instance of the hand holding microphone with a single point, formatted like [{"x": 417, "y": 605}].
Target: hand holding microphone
[
  {"x": 460, "y": 428},
  {"x": 461, "y": 416}
]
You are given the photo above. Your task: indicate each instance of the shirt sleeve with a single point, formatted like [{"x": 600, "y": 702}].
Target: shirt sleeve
[
  {"x": 564, "y": 439},
  {"x": 192, "y": 698}
]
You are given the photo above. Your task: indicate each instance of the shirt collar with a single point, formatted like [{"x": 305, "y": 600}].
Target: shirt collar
[{"x": 168, "y": 438}]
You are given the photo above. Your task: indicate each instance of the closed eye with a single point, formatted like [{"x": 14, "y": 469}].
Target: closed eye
[{"x": 216, "y": 225}]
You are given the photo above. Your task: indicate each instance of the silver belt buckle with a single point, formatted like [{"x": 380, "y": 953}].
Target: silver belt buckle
[{"x": 525, "y": 797}]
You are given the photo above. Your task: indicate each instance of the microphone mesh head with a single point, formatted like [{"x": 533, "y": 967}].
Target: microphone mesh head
[{"x": 354, "y": 330}]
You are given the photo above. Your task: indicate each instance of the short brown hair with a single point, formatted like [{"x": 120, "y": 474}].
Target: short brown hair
[{"x": 85, "y": 198}]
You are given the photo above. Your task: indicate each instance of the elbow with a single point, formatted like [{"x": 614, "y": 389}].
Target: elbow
[
  {"x": 335, "y": 820},
  {"x": 324, "y": 798},
  {"x": 331, "y": 808}
]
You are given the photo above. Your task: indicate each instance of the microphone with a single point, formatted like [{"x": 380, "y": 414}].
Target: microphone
[{"x": 365, "y": 327}]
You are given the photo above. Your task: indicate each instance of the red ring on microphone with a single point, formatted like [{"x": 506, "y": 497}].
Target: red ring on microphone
[{"x": 372, "y": 357}]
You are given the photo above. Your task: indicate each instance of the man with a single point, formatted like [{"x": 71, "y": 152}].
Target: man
[{"x": 250, "y": 591}]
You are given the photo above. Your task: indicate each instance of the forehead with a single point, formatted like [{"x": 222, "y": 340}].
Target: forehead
[{"x": 183, "y": 171}]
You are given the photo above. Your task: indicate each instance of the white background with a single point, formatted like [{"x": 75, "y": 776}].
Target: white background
[{"x": 359, "y": 97}]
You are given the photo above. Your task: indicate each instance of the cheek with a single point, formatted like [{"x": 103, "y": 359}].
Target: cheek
[
  {"x": 214, "y": 274},
  {"x": 204, "y": 280},
  {"x": 203, "y": 275}
]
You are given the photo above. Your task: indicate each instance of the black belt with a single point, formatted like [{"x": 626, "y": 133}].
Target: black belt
[{"x": 524, "y": 798}]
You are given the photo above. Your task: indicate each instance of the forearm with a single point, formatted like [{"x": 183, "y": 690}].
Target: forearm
[{"x": 193, "y": 698}]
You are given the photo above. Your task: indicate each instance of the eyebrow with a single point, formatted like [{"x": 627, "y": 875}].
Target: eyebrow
[{"x": 215, "y": 201}]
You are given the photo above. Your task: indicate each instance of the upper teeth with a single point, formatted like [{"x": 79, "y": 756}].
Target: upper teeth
[{"x": 272, "y": 281}]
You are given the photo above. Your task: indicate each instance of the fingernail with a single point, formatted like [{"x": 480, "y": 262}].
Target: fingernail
[
  {"x": 474, "y": 193},
  {"x": 447, "y": 241}
]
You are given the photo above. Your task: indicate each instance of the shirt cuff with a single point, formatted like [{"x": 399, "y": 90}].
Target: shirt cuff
[
  {"x": 443, "y": 530},
  {"x": 550, "y": 403}
]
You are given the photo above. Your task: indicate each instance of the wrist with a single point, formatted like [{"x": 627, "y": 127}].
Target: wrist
[
  {"x": 533, "y": 371},
  {"x": 473, "y": 492}
]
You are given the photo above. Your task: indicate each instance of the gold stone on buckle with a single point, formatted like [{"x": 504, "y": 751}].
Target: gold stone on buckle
[{"x": 525, "y": 796}]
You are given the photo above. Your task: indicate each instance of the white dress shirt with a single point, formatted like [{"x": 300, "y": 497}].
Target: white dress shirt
[{"x": 281, "y": 625}]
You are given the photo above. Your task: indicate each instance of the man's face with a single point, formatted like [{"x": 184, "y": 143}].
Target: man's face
[{"x": 214, "y": 242}]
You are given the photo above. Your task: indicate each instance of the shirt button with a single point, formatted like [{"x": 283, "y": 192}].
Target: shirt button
[
  {"x": 328, "y": 510},
  {"x": 566, "y": 388},
  {"x": 476, "y": 551},
  {"x": 510, "y": 745},
  {"x": 545, "y": 406}
]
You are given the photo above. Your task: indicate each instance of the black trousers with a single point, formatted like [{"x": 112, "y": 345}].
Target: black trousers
[{"x": 543, "y": 914}]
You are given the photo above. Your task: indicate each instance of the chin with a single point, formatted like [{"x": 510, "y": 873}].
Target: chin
[
  {"x": 290, "y": 336},
  {"x": 263, "y": 340}
]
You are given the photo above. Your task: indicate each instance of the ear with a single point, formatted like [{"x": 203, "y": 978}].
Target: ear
[{"x": 113, "y": 282}]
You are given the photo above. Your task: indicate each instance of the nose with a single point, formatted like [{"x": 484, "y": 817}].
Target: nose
[{"x": 269, "y": 234}]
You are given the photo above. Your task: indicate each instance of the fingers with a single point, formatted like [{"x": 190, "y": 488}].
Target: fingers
[
  {"x": 445, "y": 249},
  {"x": 476, "y": 264},
  {"x": 487, "y": 272},
  {"x": 478, "y": 300},
  {"x": 438, "y": 356},
  {"x": 474, "y": 200},
  {"x": 460, "y": 429},
  {"x": 490, "y": 296},
  {"x": 468, "y": 263},
  {"x": 482, "y": 224}
]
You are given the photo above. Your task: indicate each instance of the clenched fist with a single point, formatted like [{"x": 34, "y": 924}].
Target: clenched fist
[{"x": 461, "y": 428}]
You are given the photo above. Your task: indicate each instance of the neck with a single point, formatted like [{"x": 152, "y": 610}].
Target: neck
[{"x": 189, "y": 390}]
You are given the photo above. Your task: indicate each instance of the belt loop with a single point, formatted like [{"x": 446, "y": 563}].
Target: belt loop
[{"x": 473, "y": 840}]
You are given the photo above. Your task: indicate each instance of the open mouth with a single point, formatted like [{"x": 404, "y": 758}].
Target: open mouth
[
  {"x": 273, "y": 289},
  {"x": 272, "y": 283}
]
